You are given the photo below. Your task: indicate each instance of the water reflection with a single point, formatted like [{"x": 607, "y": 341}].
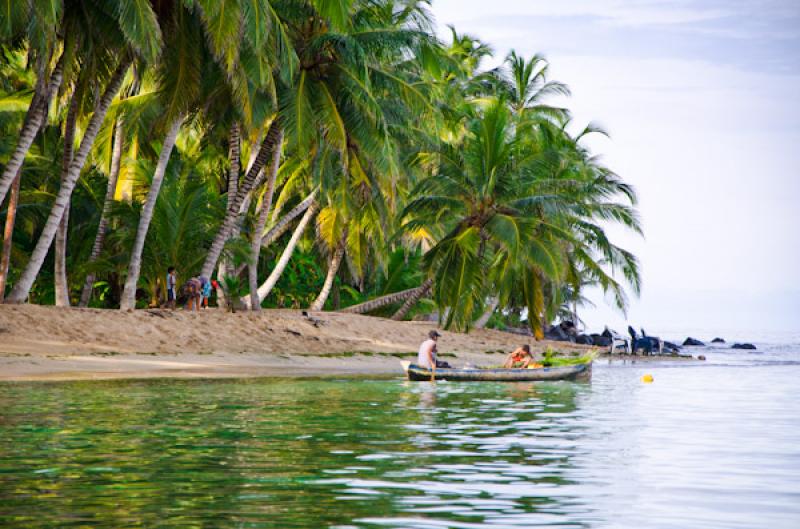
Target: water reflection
[{"x": 614, "y": 453}]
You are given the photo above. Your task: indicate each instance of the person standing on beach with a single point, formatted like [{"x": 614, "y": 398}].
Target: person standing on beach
[
  {"x": 171, "y": 281},
  {"x": 205, "y": 292},
  {"x": 193, "y": 291}
]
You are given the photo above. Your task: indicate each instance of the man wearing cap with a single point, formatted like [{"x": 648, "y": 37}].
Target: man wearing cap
[{"x": 427, "y": 352}]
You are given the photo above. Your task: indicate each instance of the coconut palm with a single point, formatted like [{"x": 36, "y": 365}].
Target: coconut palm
[
  {"x": 129, "y": 33},
  {"x": 514, "y": 206},
  {"x": 37, "y": 25}
]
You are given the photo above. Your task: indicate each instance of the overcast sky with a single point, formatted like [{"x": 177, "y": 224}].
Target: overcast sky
[{"x": 702, "y": 101}]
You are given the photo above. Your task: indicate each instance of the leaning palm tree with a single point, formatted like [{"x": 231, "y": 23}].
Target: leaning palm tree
[
  {"x": 250, "y": 42},
  {"x": 38, "y": 25},
  {"x": 129, "y": 34},
  {"x": 235, "y": 33},
  {"x": 333, "y": 97}
]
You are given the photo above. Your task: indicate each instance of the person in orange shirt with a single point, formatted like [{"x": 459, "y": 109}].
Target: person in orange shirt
[{"x": 520, "y": 358}]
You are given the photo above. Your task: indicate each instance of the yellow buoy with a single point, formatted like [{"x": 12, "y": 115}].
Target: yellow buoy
[{"x": 647, "y": 379}]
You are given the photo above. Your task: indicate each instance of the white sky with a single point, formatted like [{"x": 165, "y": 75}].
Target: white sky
[{"x": 702, "y": 101}]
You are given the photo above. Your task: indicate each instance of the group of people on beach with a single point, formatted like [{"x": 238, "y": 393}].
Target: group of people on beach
[
  {"x": 196, "y": 290},
  {"x": 520, "y": 358}
]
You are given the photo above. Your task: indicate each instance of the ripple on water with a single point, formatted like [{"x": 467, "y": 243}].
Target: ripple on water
[{"x": 709, "y": 445}]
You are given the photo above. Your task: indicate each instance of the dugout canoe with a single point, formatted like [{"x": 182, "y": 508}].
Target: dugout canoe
[{"x": 581, "y": 371}]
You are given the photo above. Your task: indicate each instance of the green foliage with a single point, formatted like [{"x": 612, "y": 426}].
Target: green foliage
[
  {"x": 423, "y": 165},
  {"x": 552, "y": 358}
]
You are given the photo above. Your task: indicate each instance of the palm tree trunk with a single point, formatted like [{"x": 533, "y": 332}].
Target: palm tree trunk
[
  {"x": 536, "y": 319},
  {"x": 102, "y": 228},
  {"x": 128, "y": 301},
  {"x": 276, "y": 231},
  {"x": 34, "y": 118},
  {"x": 233, "y": 214},
  {"x": 222, "y": 298},
  {"x": 61, "y": 284},
  {"x": 8, "y": 233},
  {"x": 481, "y": 322},
  {"x": 266, "y": 287},
  {"x": 23, "y": 286},
  {"x": 374, "y": 304},
  {"x": 266, "y": 205},
  {"x": 282, "y": 226},
  {"x": 333, "y": 268},
  {"x": 234, "y": 155},
  {"x": 13, "y": 202},
  {"x": 412, "y": 300}
]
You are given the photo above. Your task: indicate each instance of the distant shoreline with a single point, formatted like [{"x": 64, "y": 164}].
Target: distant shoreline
[{"x": 49, "y": 343}]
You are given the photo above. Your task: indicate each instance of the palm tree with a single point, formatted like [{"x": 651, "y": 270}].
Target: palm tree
[
  {"x": 23, "y": 286},
  {"x": 38, "y": 27},
  {"x": 525, "y": 84},
  {"x": 266, "y": 205},
  {"x": 102, "y": 228},
  {"x": 129, "y": 294},
  {"x": 511, "y": 203},
  {"x": 280, "y": 266},
  {"x": 128, "y": 33},
  {"x": 250, "y": 41},
  {"x": 61, "y": 284}
]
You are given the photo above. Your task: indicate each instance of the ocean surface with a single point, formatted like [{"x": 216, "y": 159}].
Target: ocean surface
[{"x": 706, "y": 445}]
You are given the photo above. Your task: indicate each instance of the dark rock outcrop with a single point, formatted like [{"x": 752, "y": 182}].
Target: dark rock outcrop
[
  {"x": 563, "y": 332},
  {"x": 671, "y": 347},
  {"x": 748, "y": 346},
  {"x": 692, "y": 341},
  {"x": 717, "y": 340},
  {"x": 601, "y": 340},
  {"x": 584, "y": 339}
]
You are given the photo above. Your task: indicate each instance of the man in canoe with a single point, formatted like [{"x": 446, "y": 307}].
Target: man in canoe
[
  {"x": 427, "y": 352},
  {"x": 520, "y": 358}
]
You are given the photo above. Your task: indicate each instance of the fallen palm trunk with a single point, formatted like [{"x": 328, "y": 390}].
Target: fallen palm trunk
[
  {"x": 388, "y": 299},
  {"x": 412, "y": 300}
]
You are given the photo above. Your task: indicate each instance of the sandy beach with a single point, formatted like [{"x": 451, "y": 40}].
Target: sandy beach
[{"x": 48, "y": 343}]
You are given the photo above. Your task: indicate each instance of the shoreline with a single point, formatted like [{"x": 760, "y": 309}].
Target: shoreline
[{"x": 45, "y": 343}]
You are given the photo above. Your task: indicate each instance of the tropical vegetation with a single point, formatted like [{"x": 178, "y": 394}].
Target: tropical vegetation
[{"x": 323, "y": 154}]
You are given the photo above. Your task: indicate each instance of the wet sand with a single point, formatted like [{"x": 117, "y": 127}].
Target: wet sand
[{"x": 49, "y": 343}]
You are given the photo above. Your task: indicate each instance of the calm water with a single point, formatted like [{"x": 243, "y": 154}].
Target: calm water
[{"x": 713, "y": 445}]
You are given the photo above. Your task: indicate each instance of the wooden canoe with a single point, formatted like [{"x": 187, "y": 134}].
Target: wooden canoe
[{"x": 581, "y": 371}]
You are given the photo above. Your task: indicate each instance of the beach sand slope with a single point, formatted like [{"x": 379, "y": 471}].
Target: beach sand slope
[{"x": 49, "y": 343}]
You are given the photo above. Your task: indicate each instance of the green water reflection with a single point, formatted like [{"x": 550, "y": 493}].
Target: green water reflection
[{"x": 284, "y": 453}]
